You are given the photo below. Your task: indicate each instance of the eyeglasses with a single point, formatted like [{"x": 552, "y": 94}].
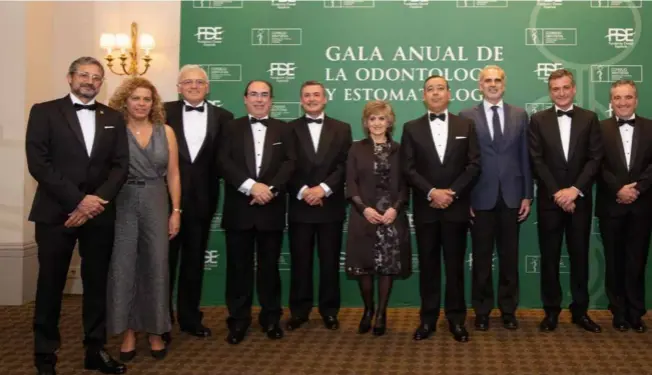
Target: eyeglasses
[
  {"x": 93, "y": 77},
  {"x": 189, "y": 82},
  {"x": 258, "y": 94}
]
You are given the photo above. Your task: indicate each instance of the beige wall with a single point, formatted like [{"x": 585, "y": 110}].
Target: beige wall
[{"x": 39, "y": 41}]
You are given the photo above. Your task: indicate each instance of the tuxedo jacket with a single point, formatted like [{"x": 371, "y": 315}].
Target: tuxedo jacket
[
  {"x": 200, "y": 187},
  {"x": 505, "y": 165},
  {"x": 424, "y": 170},
  {"x": 58, "y": 160},
  {"x": 237, "y": 163},
  {"x": 614, "y": 173},
  {"x": 327, "y": 165},
  {"x": 551, "y": 169}
]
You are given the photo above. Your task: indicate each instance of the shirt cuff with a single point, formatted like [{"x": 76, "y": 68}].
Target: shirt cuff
[
  {"x": 430, "y": 192},
  {"x": 327, "y": 189},
  {"x": 578, "y": 191},
  {"x": 300, "y": 194},
  {"x": 246, "y": 186}
]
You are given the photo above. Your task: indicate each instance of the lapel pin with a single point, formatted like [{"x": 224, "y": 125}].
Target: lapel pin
[{"x": 101, "y": 112}]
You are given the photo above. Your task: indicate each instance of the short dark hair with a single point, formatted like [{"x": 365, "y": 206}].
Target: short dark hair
[
  {"x": 561, "y": 73},
  {"x": 624, "y": 82},
  {"x": 271, "y": 89},
  {"x": 84, "y": 60},
  {"x": 311, "y": 83},
  {"x": 436, "y": 76}
]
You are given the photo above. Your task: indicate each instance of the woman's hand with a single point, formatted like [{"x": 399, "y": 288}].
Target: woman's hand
[
  {"x": 389, "y": 216},
  {"x": 372, "y": 216},
  {"x": 174, "y": 223}
]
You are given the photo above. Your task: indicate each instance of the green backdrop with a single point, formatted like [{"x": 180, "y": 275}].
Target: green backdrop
[{"x": 364, "y": 50}]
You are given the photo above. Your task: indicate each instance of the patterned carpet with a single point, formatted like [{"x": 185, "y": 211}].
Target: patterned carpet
[{"x": 314, "y": 350}]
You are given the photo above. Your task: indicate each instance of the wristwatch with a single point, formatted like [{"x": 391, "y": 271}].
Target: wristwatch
[{"x": 177, "y": 210}]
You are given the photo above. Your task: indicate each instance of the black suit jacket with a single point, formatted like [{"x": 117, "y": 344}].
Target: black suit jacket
[
  {"x": 200, "y": 187},
  {"x": 614, "y": 173},
  {"x": 327, "y": 165},
  {"x": 58, "y": 160},
  {"x": 237, "y": 163},
  {"x": 550, "y": 168},
  {"x": 424, "y": 170}
]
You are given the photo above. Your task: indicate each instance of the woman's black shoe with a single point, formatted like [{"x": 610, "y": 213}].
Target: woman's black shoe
[
  {"x": 379, "y": 325},
  {"x": 127, "y": 356},
  {"x": 365, "y": 322}
]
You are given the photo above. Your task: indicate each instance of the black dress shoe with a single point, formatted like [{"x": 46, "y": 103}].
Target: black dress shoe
[
  {"x": 482, "y": 322},
  {"x": 199, "y": 331},
  {"x": 295, "y": 322},
  {"x": 45, "y": 369},
  {"x": 101, "y": 361},
  {"x": 620, "y": 323},
  {"x": 167, "y": 338},
  {"x": 331, "y": 322},
  {"x": 459, "y": 332},
  {"x": 127, "y": 356},
  {"x": 510, "y": 322},
  {"x": 236, "y": 335},
  {"x": 159, "y": 354},
  {"x": 380, "y": 325},
  {"x": 587, "y": 324},
  {"x": 273, "y": 331},
  {"x": 365, "y": 322},
  {"x": 638, "y": 326},
  {"x": 549, "y": 323},
  {"x": 423, "y": 331}
]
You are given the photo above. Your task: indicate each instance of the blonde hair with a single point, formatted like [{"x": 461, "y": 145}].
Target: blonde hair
[
  {"x": 127, "y": 87},
  {"x": 378, "y": 107}
]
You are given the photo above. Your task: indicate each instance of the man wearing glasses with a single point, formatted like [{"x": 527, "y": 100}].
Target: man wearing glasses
[
  {"x": 198, "y": 127},
  {"x": 77, "y": 152},
  {"x": 256, "y": 157}
]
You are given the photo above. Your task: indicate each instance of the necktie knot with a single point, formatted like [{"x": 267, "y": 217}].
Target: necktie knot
[
  {"x": 494, "y": 108},
  {"x": 315, "y": 120},
  {"x": 191, "y": 108},
  {"x": 253, "y": 120},
  {"x": 441, "y": 116},
  {"x": 90, "y": 107},
  {"x": 622, "y": 122},
  {"x": 561, "y": 113}
]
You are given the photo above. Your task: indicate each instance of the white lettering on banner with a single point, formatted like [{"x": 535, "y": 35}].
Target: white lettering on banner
[
  {"x": 415, "y": 74},
  {"x": 334, "y": 53},
  {"x": 426, "y": 53},
  {"x": 330, "y": 93},
  {"x": 404, "y": 95}
]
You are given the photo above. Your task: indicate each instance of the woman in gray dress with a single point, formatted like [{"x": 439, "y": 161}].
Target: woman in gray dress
[
  {"x": 378, "y": 240},
  {"x": 138, "y": 275}
]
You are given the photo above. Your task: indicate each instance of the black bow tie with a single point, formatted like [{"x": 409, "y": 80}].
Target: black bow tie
[
  {"x": 315, "y": 120},
  {"x": 90, "y": 107},
  {"x": 567, "y": 113},
  {"x": 622, "y": 122},
  {"x": 198, "y": 109},
  {"x": 441, "y": 116},
  {"x": 253, "y": 120}
]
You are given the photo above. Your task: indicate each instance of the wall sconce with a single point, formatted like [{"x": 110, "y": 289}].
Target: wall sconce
[{"x": 128, "y": 47}]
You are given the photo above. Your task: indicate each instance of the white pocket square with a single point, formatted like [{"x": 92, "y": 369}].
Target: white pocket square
[
  {"x": 277, "y": 143},
  {"x": 460, "y": 137},
  {"x": 109, "y": 127}
]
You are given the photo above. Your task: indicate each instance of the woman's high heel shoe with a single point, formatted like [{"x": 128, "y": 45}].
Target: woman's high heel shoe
[
  {"x": 380, "y": 325},
  {"x": 127, "y": 356},
  {"x": 365, "y": 322}
]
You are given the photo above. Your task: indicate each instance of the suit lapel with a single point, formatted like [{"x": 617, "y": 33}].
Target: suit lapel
[
  {"x": 576, "y": 123},
  {"x": 306, "y": 140},
  {"x": 100, "y": 122},
  {"x": 248, "y": 146},
  {"x": 270, "y": 136},
  {"x": 451, "y": 138},
  {"x": 70, "y": 115},
  {"x": 176, "y": 121},
  {"x": 210, "y": 129},
  {"x": 638, "y": 129},
  {"x": 483, "y": 126},
  {"x": 325, "y": 139},
  {"x": 613, "y": 136},
  {"x": 426, "y": 135},
  {"x": 508, "y": 126},
  {"x": 556, "y": 134}
]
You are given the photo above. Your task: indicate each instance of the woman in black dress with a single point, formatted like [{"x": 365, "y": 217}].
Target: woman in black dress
[{"x": 378, "y": 242}]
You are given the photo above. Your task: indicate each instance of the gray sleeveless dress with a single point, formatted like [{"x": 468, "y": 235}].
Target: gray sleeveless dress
[{"x": 137, "y": 289}]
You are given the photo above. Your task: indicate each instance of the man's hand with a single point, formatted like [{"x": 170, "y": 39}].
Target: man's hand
[
  {"x": 627, "y": 194},
  {"x": 441, "y": 198},
  {"x": 569, "y": 208},
  {"x": 566, "y": 196},
  {"x": 260, "y": 193},
  {"x": 76, "y": 219},
  {"x": 314, "y": 196},
  {"x": 389, "y": 216},
  {"x": 91, "y": 205},
  {"x": 524, "y": 211},
  {"x": 372, "y": 216}
]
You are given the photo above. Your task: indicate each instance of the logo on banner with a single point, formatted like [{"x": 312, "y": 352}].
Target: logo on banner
[
  {"x": 276, "y": 37},
  {"x": 616, "y": 3},
  {"x": 533, "y": 264},
  {"x": 415, "y": 4},
  {"x": 211, "y": 259},
  {"x": 284, "y": 4},
  {"x": 482, "y": 3},
  {"x": 218, "y": 4},
  {"x": 281, "y": 72},
  {"x": 223, "y": 72},
  {"x": 216, "y": 223},
  {"x": 349, "y": 4},
  {"x": 286, "y": 110},
  {"x": 209, "y": 36},
  {"x": 609, "y": 112},
  {"x": 544, "y": 70},
  {"x": 532, "y": 108},
  {"x": 216, "y": 102},
  {"x": 611, "y": 73},
  {"x": 469, "y": 261},
  {"x": 551, "y": 37},
  {"x": 549, "y": 4},
  {"x": 620, "y": 37}
]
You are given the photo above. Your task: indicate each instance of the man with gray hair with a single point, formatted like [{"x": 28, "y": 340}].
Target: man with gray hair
[
  {"x": 78, "y": 154},
  {"x": 198, "y": 128}
]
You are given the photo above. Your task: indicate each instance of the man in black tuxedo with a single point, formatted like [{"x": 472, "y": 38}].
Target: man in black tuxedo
[
  {"x": 441, "y": 161},
  {"x": 566, "y": 150},
  {"x": 624, "y": 206},
  {"x": 257, "y": 160},
  {"x": 317, "y": 207},
  {"x": 500, "y": 200},
  {"x": 197, "y": 125},
  {"x": 77, "y": 152}
]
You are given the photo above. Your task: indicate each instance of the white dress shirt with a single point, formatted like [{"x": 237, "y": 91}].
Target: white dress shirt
[
  {"x": 627, "y": 135},
  {"x": 489, "y": 114},
  {"x": 564, "y": 130},
  {"x": 439, "y": 131},
  {"x": 258, "y": 131},
  {"x": 86, "y": 121},
  {"x": 194, "y": 128},
  {"x": 315, "y": 134}
]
